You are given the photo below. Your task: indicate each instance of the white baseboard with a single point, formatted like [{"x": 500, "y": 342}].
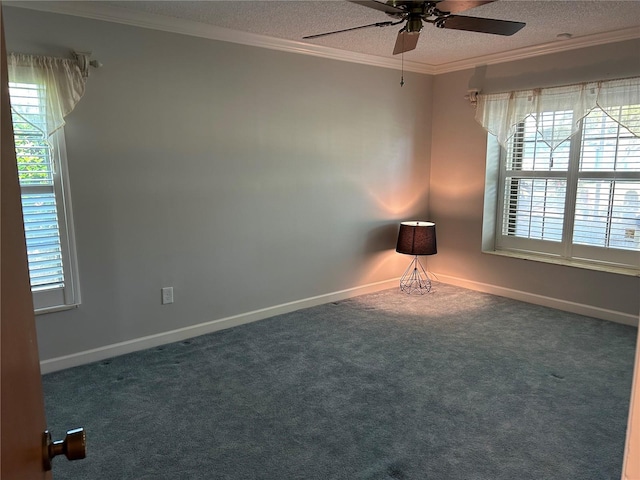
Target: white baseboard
[
  {"x": 565, "y": 305},
  {"x": 137, "y": 344},
  {"x": 109, "y": 351}
]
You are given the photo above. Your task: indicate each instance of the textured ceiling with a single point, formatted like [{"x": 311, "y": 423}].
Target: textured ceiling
[{"x": 599, "y": 20}]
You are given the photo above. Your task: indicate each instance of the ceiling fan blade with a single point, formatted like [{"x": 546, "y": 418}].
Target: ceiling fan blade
[
  {"x": 406, "y": 41},
  {"x": 457, "y": 6},
  {"x": 379, "y": 24},
  {"x": 383, "y": 7},
  {"x": 482, "y": 25}
]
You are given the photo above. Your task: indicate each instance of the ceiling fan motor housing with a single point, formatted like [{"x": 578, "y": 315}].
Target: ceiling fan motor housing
[
  {"x": 414, "y": 24},
  {"x": 414, "y": 12}
]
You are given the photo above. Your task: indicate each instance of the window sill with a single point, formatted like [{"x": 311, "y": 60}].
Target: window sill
[
  {"x": 56, "y": 308},
  {"x": 601, "y": 267}
]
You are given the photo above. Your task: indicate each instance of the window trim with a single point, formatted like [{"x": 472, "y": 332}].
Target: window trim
[
  {"x": 67, "y": 297},
  {"x": 586, "y": 265},
  {"x": 568, "y": 254}
]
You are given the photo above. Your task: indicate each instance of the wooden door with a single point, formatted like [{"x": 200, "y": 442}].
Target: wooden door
[
  {"x": 22, "y": 406},
  {"x": 26, "y": 450}
]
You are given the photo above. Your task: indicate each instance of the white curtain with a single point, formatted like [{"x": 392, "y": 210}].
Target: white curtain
[
  {"x": 61, "y": 78},
  {"x": 501, "y": 113}
]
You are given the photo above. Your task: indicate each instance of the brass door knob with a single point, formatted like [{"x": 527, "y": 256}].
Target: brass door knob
[{"x": 74, "y": 446}]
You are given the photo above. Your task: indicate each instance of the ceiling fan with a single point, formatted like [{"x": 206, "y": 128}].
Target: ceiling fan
[{"x": 438, "y": 12}]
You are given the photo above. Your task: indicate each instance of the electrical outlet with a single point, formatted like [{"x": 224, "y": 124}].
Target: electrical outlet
[{"x": 167, "y": 295}]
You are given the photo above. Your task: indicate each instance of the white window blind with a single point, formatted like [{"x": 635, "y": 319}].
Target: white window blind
[
  {"x": 36, "y": 174},
  {"x": 580, "y": 200},
  {"x": 535, "y": 181},
  {"x": 607, "y": 203},
  {"x": 45, "y": 200}
]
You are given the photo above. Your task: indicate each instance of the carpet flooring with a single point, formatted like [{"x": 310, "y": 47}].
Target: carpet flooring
[{"x": 455, "y": 385}]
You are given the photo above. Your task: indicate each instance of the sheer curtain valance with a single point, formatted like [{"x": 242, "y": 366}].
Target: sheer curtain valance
[
  {"x": 501, "y": 113},
  {"x": 61, "y": 78}
]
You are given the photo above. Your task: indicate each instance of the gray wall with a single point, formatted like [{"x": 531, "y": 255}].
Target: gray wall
[
  {"x": 458, "y": 159},
  {"x": 243, "y": 177},
  {"x": 248, "y": 178}
]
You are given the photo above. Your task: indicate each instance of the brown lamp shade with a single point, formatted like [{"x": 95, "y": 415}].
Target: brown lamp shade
[{"x": 417, "y": 238}]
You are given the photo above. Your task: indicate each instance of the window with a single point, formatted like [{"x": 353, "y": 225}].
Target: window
[
  {"x": 46, "y": 204},
  {"x": 43, "y": 91},
  {"x": 567, "y": 187}
]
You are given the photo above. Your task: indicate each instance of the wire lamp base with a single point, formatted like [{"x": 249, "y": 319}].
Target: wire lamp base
[{"x": 415, "y": 279}]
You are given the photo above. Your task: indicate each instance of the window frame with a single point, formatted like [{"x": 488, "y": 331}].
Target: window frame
[
  {"x": 67, "y": 296},
  {"x": 565, "y": 251}
]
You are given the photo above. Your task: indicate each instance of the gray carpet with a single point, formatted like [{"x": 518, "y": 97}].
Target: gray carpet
[{"x": 452, "y": 385}]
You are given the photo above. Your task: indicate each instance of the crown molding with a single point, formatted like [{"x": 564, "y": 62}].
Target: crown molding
[
  {"x": 542, "y": 49},
  {"x": 96, "y": 11},
  {"x": 107, "y": 13}
]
